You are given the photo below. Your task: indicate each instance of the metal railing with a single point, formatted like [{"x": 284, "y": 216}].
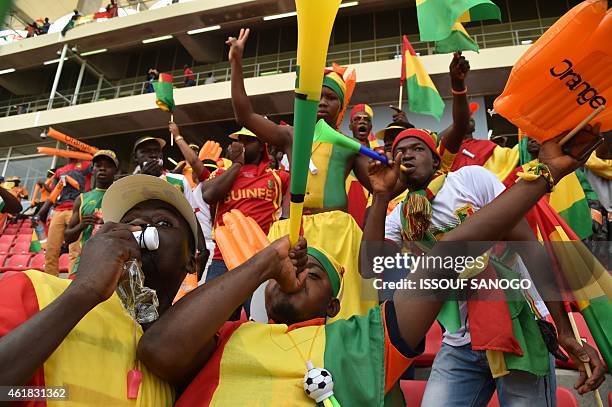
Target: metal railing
[{"x": 205, "y": 75}]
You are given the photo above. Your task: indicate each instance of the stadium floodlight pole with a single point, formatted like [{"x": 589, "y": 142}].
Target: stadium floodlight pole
[
  {"x": 58, "y": 73},
  {"x": 78, "y": 84}
]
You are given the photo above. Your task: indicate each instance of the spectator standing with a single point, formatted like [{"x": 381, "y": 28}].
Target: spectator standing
[
  {"x": 87, "y": 216},
  {"x": 71, "y": 23},
  {"x": 190, "y": 79},
  {"x": 152, "y": 75},
  {"x": 81, "y": 172}
]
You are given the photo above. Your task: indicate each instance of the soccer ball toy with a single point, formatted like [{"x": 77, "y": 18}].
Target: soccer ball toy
[{"x": 318, "y": 384}]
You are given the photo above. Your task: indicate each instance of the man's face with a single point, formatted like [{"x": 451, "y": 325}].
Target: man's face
[
  {"x": 252, "y": 148},
  {"x": 361, "y": 126},
  {"x": 165, "y": 268},
  {"x": 314, "y": 300},
  {"x": 329, "y": 106},
  {"x": 104, "y": 171},
  {"x": 533, "y": 147},
  {"x": 148, "y": 151},
  {"x": 419, "y": 161},
  {"x": 390, "y": 136}
]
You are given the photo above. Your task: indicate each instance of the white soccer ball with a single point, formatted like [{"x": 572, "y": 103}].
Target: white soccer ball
[{"x": 318, "y": 384}]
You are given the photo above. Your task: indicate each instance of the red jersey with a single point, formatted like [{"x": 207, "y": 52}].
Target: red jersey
[
  {"x": 81, "y": 168},
  {"x": 257, "y": 192}
]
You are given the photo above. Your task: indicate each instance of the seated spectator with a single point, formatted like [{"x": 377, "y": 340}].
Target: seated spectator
[
  {"x": 45, "y": 27},
  {"x": 112, "y": 9},
  {"x": 32, "y": 29}
]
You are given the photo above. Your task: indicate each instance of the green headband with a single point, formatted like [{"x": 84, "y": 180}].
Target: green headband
[
  {"x": 335, "y": 87},
  {"x": 328, "y": 266}
]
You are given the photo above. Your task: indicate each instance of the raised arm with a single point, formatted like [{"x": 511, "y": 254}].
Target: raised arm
[
  {"x": 217, "y": 188},
  {"x": 177, "y": 346},
  {"x": 382, "y": 180},
  {"x": 268, "y": 131},
  {"x": 417, "y": 310},
  {"x": 199, "y": 171},
  {"x": 28, "y": 346},
  {"x": 452, "y": 137}
]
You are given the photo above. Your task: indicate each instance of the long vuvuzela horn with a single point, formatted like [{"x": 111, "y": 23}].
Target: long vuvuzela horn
[{"x": 315, "y": 22}]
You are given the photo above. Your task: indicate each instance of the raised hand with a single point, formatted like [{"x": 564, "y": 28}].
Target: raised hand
[
  {"x": 458, "y": 69},
  {"x": 383, "y": 177},
  {"x": 291, "y": 261},
  {"x": 235, "y": 152},
  {"x": 237, "y": 45},
  {"x": 102, "y": 261},
  {"x": 559, "y": 163},
  {"x": 174, "y": 130}
]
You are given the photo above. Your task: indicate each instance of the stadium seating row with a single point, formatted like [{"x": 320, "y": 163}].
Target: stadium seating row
[{"x": 21, "y": 262}]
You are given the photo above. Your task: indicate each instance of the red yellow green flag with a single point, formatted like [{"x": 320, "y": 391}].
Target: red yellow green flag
[
  {"x": 423, "y": 97},
  {"x": 437, "y": 17},
  {"x": 458, "y": 40},
  {"x": 164, "y": 92},
  {"x": 579, "y": 270}
]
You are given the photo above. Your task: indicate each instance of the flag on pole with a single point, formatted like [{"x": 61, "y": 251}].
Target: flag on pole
[
  {"x": 437, "y": 17},
  {"x": 588, "y": 280},
  {"x": 458, "y": 40},
  {"x": 423, "y": 97},
  {"x": 164, "y": 92}
]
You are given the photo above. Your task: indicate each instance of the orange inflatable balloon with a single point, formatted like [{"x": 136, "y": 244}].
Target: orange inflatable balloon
[
  {"x": 65, "y": 153},
  {"x": 239, "y": 239},
  {"x": 564, "y": 76},
  {"x": 56, "y": 192},
  {"x": 79, "y": 145}
]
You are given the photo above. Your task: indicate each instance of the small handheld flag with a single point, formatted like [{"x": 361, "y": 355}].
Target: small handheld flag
[
  {"x": 165, "y": 96},
  {"x": 164, "y": 92},
  {"x": 423, "y": 97},
  {"x": 440, "y": 21}
]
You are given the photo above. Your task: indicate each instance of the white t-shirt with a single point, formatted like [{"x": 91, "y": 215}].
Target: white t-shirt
[
  {"x": 203, "y": 215},
  {"x": 464, "y": 192}
]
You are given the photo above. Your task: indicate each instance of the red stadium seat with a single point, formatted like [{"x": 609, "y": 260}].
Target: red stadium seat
[
  {"x": 21, "y": 248},
  {"x": 23, "y": 238},
  {"x": 2, "y": 261},
  {"x": 413, "y": 391},
  {"x": 7, "y": 239},
  {"x": 17, "y": 262},
  {"x": 38, "y": 262},
  {"x": 11, "y": 230},
  {"x": 433, "y": 342},
  {"x": 26, "y": 231},
  {"x": 64, "y": 260},
  {"x": 5, "y": 248}
]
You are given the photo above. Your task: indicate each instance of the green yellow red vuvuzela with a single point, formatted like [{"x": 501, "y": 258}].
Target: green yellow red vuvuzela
[{"x": 315, "y": 22}]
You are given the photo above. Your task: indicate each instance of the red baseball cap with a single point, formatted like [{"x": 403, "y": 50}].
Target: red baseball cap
[{"x": 423, "y": 135}]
